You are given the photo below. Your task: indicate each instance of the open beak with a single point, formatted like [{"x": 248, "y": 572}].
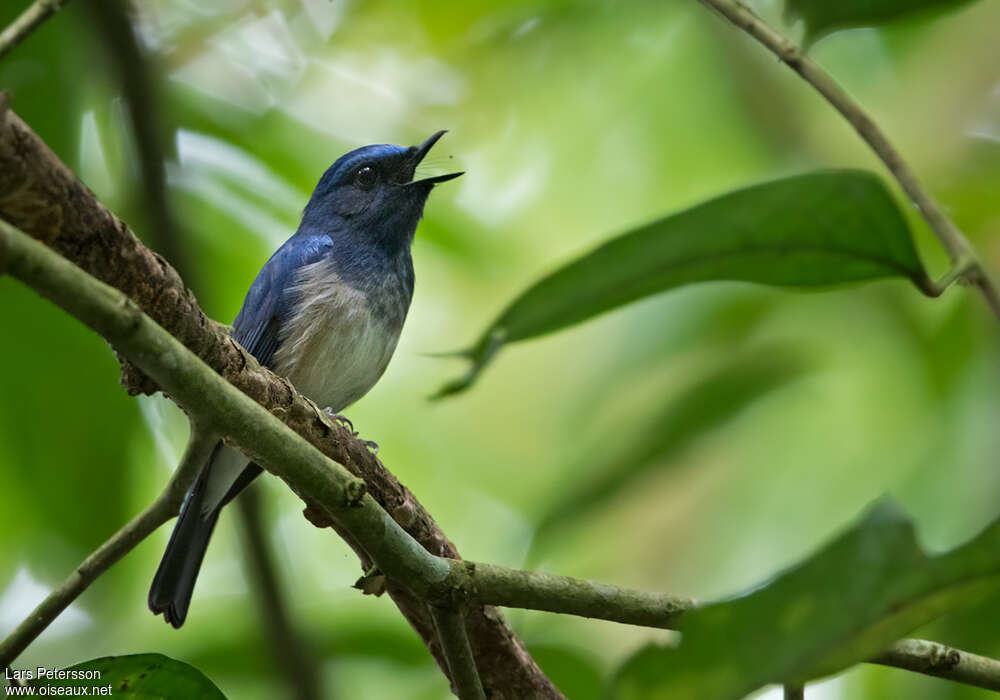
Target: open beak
[{"x": 421, "y": 152}]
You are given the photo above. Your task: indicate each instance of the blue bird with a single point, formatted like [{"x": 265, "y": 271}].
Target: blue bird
[{"x": 326, "y": 312}]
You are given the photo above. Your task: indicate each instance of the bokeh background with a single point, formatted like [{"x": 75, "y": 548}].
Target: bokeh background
[{"x": 693, "y": 443}]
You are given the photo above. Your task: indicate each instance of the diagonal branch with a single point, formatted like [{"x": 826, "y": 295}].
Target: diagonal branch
[
  {"x": 408, "y": 547},
  {"x": 334, "y": 494},
  {"x": 41, "y": 196},
  {"x": 27, "y": 22},
  {"x": 162, "y": 510},
  {"x": 964, "y": 261}
]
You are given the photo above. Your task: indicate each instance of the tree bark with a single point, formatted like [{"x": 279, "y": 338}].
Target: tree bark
[{"x": 41, "y": 196}]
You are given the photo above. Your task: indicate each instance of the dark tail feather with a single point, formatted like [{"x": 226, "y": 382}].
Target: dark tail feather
[{"x": 173, "y": 584}]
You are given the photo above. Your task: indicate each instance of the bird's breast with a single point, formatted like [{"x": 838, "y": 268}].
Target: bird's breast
[{"x": 338, "y": 338}]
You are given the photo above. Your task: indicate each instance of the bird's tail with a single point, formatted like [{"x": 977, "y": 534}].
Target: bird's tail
[{"x": 173, "y": 584}]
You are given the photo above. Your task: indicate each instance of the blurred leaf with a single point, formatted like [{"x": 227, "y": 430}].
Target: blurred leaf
[
  {"x": 869, "y": 587},
  {"x": 708, "y": 403},
  {"x": 143, "y": 677},
  {"x": 822, "y": 17},
  {"x": 816, "y": 229}
]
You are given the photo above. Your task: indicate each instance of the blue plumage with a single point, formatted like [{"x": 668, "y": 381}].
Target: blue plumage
[
  {"x": 270, "y": 299},
  {"x": 326, "y": 311}
]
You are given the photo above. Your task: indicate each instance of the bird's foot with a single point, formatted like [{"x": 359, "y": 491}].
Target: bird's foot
[
  {"x": 342, "y": 419},
  {"x": 346, "y": 422}
]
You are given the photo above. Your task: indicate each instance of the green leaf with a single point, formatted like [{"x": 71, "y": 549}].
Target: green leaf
[
  {"x": 866, "y": 589},
  {"x": 809, "y": 230},
  {"x": 142, "y": 677},
  {"x": 822, "y": 17}
]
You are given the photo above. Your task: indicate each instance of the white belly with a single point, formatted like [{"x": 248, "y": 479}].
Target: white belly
[{"x": 333, "y": 349}]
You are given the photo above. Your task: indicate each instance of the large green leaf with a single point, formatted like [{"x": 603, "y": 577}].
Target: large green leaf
[
  {"x": 869, "y": 587},
  {"x": 822, "y": 16},
  {"x": 142, "y": 677},
  {"x": 809, "y": 230}
]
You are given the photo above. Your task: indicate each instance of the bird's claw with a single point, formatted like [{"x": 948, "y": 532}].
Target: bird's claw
[
  {"x": 342, "y": 419},
  {"x": 346, "y": 422}
]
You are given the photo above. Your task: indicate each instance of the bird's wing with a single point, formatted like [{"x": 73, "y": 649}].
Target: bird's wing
[{"x": 258, "y": 325}]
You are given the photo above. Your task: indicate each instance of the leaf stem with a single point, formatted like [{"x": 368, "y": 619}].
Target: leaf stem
[
  {"x": 955, "y": 243},
  {"x": 960, "y": 270}
]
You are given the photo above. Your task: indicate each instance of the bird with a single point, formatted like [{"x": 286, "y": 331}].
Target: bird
[{"x": 325, "y": 312}]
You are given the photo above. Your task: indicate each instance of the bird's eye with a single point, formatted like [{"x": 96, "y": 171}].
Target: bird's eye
[{"x": 365, "y": 177}]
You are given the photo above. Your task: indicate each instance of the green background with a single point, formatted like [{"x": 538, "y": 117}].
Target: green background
[{"x": 734, "y": 427}]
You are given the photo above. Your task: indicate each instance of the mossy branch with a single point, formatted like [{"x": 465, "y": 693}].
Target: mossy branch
[
  {"x": 43, "y": 198},
  {"x": 439, "y": 583}
]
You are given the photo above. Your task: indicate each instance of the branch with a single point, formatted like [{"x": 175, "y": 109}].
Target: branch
[
  {"x": 41, "y": 196},
  {"x": 488, "y": 583},
  {"x": 961, "y": 252},
  {"x": 294, "y": 658},
  {"x": 330, "y": 489},
  {"x": 218, "y": 406},
  {"x": 163, "y": 509},
  {"x": 450, "y": 626},
  {"x": 27, "y": 22},
  {"x": 934, "y": 659},
  {"x": 513, "y": 588}
]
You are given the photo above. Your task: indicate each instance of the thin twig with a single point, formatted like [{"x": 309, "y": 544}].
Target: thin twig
[
  {"x": 42, "y": 197},
  {"x": 450, "y": 625},
  {"x": 220, "y": 407},
  {"x": 533, "y": 590},
  {"x": 224, "y": 409},
  {"x": 961, "y": 252},
  {"x": 163, "y": 509},
  {"x": 27, "y": 22},
  {"x": 934, "y": 659},
  {"x": 321, "y": 481},
  {"x": 137, "y": 73},
  {"x": 294, "y": 657},
  {"x": 496, "y": 585}
]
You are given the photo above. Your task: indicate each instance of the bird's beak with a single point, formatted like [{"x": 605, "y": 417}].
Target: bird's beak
[{"x": 419, "y": 154}]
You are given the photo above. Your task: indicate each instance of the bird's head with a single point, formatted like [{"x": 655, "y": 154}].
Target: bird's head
[{"x": 371, "y": 190}]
